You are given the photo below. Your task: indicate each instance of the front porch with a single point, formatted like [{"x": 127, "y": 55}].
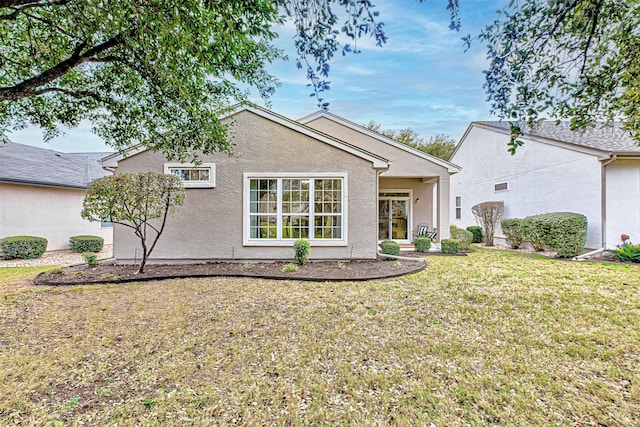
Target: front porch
[{"x": 406, "y": 203}]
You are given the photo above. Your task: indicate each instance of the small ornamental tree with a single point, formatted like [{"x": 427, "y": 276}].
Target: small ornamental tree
[
  {"x": 488, "y": 215},
  {"x": 141, "y": 201}
]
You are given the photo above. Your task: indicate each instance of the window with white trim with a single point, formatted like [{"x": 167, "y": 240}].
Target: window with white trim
[
  {"x": 458, "y": 207},
  {"x": 202, "y": 175},
  {"x": 290, "y": 208}
]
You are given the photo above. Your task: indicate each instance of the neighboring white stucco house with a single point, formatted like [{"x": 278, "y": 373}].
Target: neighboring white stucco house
[
  {"x": 41, "y": 193},
  {"x": 595, "y": 172}
]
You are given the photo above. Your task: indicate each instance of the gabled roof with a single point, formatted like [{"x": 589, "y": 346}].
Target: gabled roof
[
  {"x": 452, "y": 168},
  {"x": 24, "y": 164},
  {"x": 606, "y": 139},
  {"x": 378, "y": 162}
]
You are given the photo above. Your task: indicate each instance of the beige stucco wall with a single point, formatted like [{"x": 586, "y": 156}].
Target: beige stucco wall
[
  {"x": 402, "y": 163},
  {"x": 52, "y": 213},
  {"x": 209, "y": 226}
]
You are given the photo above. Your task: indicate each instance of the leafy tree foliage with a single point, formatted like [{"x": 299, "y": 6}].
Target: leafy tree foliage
[
  {"x": 161, "y": 73},
  {"x": 577, "y": 59},
  {"x": 141, "y": 201},
  {"x": 440, "y": 145}
]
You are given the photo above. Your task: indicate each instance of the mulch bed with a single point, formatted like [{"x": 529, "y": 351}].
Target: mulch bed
[{"x": 315, "y": 270}]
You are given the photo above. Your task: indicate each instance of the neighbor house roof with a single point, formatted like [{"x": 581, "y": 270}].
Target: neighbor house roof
[
  {"x": 608, "y": 139},
  {"x": 25, "y": 164}
]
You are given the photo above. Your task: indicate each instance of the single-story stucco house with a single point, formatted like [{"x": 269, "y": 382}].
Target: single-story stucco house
[
  {"x": 41, "y": 193},
  {"x": 323, "y": 178},
  {"x": 594, "y": 172}
]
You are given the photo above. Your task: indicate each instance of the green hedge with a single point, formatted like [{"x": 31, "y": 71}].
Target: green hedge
[
  {"x": 25, "y": 247},
  {"x": 82, "y": 244},
  {"x": 422, "y": 244},
  {"x": 464, "y": 237},
  {"x": 449, "y": 246},
  {"x": 514, "y": 231},
  {"x": 476, "y": 230},
  {"x": 389, "y": 247},
  {"x": 562, "y": 232}
]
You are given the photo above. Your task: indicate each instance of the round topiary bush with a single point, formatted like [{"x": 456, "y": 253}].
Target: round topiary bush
[
  {"x": 449, "y": 246},
  {"x": 25, "y": 247},
  {"x": 389, "y": 247},
  {"x": 422, "y": 244},
  {"x": 476, "y": 230},
  {"x": 82, "y": 244}
]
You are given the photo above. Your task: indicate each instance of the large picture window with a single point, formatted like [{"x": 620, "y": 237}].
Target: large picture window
[{"x": 281, "y": 209}]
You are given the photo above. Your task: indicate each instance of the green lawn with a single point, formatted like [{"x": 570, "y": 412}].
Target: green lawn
[{"x": 491, "y": 338}]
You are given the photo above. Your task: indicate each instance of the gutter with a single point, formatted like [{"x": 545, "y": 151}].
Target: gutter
[
  {"x": 612, "y": 158},
  {"x": 588, "y": 255},
  {"x": 41, "y": 184}
]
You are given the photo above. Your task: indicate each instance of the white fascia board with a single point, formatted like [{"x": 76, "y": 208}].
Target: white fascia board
[{"x": 452, "y": 168}]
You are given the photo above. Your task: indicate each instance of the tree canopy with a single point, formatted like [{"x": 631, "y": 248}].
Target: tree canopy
[
  {"x": 140, "y": 201},
  {"x": 163, "y": 73},
  {"x": 440, "y": 145},
  {"x": 574, "y": 59},
  {"x": 160, "y": 73}
]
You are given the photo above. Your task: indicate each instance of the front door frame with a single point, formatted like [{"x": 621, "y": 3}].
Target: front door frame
[{"x": 409, "y": 199}]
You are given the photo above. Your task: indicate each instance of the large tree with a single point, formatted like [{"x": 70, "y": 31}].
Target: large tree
[
  {"x": 157, "y": 72},
  {"x": 573, "y": 59},
  {"x": 141, "y": 201}
]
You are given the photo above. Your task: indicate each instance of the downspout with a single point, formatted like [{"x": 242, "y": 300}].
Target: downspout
[{"x": 603, "y": 209}]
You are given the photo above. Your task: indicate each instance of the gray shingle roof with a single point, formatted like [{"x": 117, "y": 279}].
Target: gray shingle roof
[
  {"x": 605, "y": 138},
  {"x": 25, "y": 164}
]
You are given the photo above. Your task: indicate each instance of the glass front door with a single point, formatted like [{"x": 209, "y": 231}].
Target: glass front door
[{"x": 393, "y": 223}]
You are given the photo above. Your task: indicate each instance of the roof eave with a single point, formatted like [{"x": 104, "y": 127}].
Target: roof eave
[{"x": 41, "y": 184}]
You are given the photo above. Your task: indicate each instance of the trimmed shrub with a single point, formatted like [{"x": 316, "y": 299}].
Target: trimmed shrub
[
  {"x": 562, "y": 232},
  {"x": 301, "y": 248},
  {"x": 464, "y": 237},
  {"x": 389, "y": 247},
  {"x": 628, "y": 252},
  {"x": 25, "y": 247},
  {"x": 514, "y": 231},
  {"x": 449, "y": 246},
  {"x": 533, "y": 234},
  {"x": 476, "y": 230},
  {"x": 90, "y": 258},
  {"x": 81, "y": 244},
  {"x": 422, "y": 244}
]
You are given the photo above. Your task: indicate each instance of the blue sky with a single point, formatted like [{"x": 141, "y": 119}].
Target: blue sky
[{"x": 422, "y": 78}]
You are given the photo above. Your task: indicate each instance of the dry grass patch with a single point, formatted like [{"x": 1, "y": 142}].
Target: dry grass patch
[{"x": 492, "y": 338}]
